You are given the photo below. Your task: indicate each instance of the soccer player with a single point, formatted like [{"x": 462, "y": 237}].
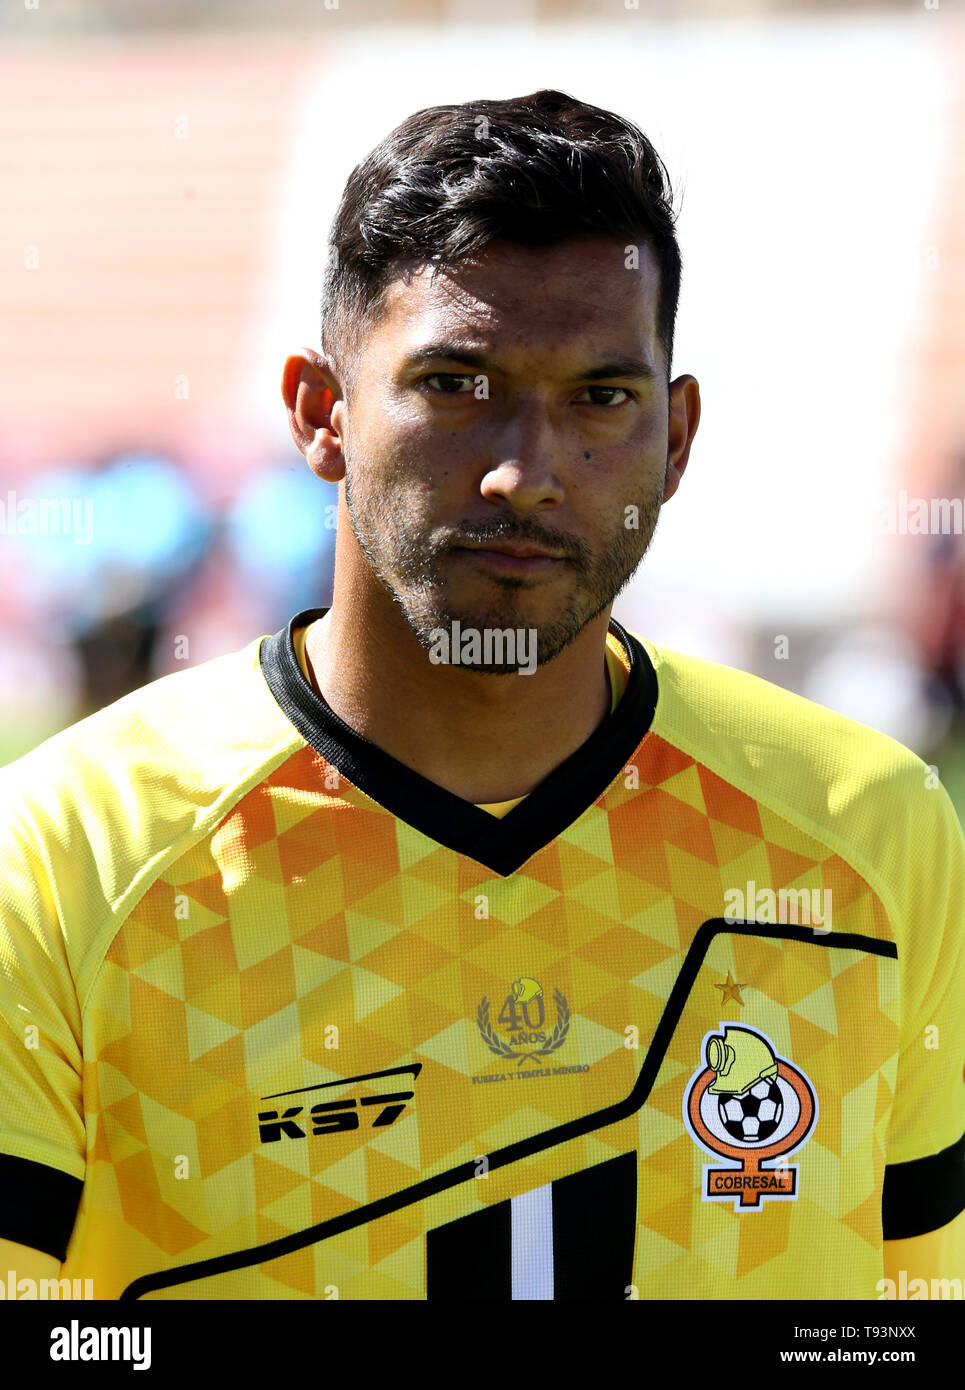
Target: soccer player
[{"x": 456, "y": 942}]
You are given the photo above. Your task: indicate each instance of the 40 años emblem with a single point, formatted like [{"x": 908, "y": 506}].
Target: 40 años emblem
[{"x": 523, "y": 1016}]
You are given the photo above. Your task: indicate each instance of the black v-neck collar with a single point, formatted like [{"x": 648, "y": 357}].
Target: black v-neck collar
[{"x": 504, "y": 843}]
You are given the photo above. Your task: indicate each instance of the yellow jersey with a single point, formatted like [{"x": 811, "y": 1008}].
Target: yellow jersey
[{"x": 283, "y": 1019}]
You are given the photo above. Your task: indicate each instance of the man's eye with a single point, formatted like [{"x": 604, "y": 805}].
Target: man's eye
[
  {"x": 608, "y": 391},
  {"x": 450, "y": 382}
]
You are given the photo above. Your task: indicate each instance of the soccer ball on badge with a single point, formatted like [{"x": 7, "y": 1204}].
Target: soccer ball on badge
[{"x": 755, "y": 1114}]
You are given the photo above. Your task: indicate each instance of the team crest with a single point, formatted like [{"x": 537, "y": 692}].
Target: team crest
[
  {"x": 752, "y": 1108},
  {"x": 522, "y": 1032}
]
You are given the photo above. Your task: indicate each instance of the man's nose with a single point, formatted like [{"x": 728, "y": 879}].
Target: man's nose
[{"x": 526, "y": 458}]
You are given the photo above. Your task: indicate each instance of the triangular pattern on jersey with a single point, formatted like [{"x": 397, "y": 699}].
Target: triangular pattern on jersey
[{"x": 310, "y": 1023}]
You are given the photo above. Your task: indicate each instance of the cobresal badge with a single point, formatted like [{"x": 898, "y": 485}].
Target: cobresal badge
[{"x": 751, "y": 1108}]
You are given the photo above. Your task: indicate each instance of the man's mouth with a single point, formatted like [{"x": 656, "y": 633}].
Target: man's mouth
[{"x": 519, "y": 558}]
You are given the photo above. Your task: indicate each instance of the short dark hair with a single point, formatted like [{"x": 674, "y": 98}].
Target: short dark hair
[{"x": 535, "y": 170}]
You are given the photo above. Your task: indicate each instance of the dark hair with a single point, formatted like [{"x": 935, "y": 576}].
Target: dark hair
[{"x": 536, "y": 170}]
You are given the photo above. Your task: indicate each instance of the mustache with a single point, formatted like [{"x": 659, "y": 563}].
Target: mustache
[{"x": 474, "y": 533}]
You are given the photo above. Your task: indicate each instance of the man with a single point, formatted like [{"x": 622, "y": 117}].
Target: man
[{"x": 455, "y": 942}]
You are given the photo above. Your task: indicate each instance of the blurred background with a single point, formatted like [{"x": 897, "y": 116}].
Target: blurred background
[{"x": 168, "y": 176}]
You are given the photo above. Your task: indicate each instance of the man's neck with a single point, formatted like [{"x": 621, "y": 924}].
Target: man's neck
[{"x": 484, "y": 737}]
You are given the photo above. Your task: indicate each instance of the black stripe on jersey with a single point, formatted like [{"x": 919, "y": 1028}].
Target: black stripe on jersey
[
  {"x": 468, "y": 1260},
  {"x": 594, "y": 1222},
  {"x": 39, "y": 1205},
  {"x": 535, "y": 1143},
  {"x": 924, "y": 1194},
  {"x": 594, "y": 1225},
  {"x": 501, "y": 844}
]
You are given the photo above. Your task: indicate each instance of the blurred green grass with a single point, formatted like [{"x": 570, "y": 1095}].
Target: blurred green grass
[
  {"x": 950, "y": 761},
  {"x": 21, "y": 730}
]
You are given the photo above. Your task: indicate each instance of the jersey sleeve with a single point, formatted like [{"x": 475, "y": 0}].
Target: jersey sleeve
[
  {"x": 42, "y": 1131},
  {"x": 924, "y": 1187},
  {"x": 935, "y": 1255}
]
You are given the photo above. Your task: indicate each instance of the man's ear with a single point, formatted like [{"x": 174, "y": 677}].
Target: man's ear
[
  {"x": 684, "y": 417},
  {"x": 315, "y": 403}
]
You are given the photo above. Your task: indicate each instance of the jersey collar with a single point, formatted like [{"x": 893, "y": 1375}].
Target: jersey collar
[{"x": 501, "y": 844}]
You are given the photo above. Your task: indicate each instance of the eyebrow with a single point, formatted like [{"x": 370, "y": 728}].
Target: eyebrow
[{"x": 622, "y": 366}]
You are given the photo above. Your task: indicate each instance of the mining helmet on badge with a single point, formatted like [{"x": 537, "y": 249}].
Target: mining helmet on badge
[
  {"x": 525, "y": 989},
  {"x": 740, "y": 1059}
]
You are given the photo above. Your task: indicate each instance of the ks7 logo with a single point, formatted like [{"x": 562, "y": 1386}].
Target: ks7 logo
[{"x": 334, "y": 1116}]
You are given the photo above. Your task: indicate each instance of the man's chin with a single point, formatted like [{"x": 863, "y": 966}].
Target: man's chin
[{"x": 497, "y": 642}]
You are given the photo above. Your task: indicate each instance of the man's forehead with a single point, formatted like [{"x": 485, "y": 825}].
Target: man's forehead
[{"x": 570, "y": 290}]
